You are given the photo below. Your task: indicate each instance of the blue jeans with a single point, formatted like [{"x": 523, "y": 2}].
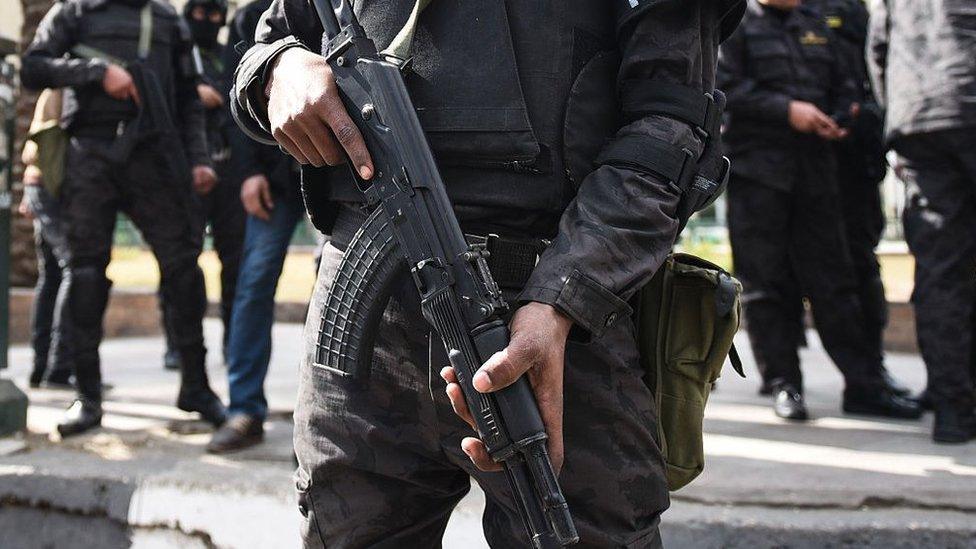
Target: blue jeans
[{"x": 249, "y": 345}]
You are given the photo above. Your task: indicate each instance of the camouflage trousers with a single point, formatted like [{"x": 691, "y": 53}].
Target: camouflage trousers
[
  {"x": 939, "y": 171},
  {"x": 380, "y": 463}
]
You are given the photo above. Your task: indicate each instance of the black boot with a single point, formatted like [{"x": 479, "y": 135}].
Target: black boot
[
  {"x": 789, "y": 403},
  {"x": 82, "y": 416},
  {"x": 878, "y": 401},
  {"x": 195, "y": 393},
  {"x": 954, "y": 425}
]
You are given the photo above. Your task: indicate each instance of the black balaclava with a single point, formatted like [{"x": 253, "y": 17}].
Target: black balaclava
[{"x": 205, "y": 32}]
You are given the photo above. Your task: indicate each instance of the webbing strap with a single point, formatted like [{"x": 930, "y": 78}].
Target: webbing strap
[
  {"x": 85, "y": 51},
  {"x": 399, "y": 49},
  {"x": 671, "y": 162},
  {"x": 644, "y": 97},
  {"x": 145, "y": 30}
]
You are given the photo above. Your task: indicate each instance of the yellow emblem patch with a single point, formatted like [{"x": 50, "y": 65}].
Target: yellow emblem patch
[
  {"x": 835, "y": 21},
  {"x": 813, "y": 39}
]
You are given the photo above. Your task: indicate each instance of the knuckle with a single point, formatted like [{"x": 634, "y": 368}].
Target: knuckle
[{"x": 346, "y": 133}]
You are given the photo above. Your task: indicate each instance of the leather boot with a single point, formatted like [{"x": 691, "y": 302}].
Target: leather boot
[
  {"x": 879, "y": 401},
  {"x": 954, "y": 424},
  {"x": 195, "y": 393},
  {"x": 83, "y": 415}
]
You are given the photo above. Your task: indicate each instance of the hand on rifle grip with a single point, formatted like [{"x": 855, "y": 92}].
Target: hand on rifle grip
[
  {"x": 537, "y": 349},
  {"x": 307, "y": 116}
]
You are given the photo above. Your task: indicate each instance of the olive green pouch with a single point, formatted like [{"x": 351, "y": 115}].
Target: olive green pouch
[
  {"x": 52, "y": 146},
  {"x": 687, "y": 317}
]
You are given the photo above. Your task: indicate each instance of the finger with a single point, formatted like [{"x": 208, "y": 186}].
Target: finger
[
  {"x": 498, "y": 372},
  {"x": 133, "y": 92},
  {"x": 267, "y": 201},
  {"x": 448, "y": 374},
  {"x": 324, "y": 142},
  {"x": 347, "y": 134},
  {"x": 460, "y": 406},
  {"x": 301, "y": 140},
  {"x": 478, "y": 454},
  {"x": 547, "y": 384},
  {"x": 286, "y": 143}
]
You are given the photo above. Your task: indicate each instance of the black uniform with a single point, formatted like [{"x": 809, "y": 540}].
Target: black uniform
[
  {"x": 147, "y": 184},
  {"x": 784, "y": 210},
  {"x": 860, "y": 162},
  {"x": 921, "y": 55},
  {"x": 516, "y": 128},
  {"x": 221, "y": 208}
]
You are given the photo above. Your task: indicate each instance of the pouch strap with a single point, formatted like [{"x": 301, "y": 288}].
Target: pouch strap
[
  {"x": 699, "y": 110},
  {"x": 736, "y": 361},
  {"x": 648, "y": 153},
  {"x": 399, "y": 49}
]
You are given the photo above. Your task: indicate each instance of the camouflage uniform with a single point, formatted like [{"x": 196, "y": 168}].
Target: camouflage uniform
[
  {"x": 931, "y": 115},
  {"x": 784, "y": 207},
  {"x": 379, "y": 461}
]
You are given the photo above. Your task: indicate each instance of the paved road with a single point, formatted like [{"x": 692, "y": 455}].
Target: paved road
[{"x": 767, "y": 483}]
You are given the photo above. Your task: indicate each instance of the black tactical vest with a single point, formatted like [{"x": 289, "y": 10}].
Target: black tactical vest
[
  {"x": 112, "y": 27},
  {"x": 515, "y": 96}
]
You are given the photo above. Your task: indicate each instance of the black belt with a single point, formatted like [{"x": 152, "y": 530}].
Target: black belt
[{"x": 510, "y": 260}]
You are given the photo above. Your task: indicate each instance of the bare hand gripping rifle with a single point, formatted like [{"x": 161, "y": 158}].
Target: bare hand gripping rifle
[{"x": 413, "y": 226}]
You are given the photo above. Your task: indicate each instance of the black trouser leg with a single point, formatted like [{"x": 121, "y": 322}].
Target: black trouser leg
[
  {"x": 227, "y": 222},
  {"x": 864, "y": 223},
  {"x": 759, "y": 227},
  {"x": 90, "y": 205},
  {"x": 159, "y": 203},
  {"x": 821, "y": 261},
  {"x": 939, "y": 171},
  {"x": 42, "y": 309}
]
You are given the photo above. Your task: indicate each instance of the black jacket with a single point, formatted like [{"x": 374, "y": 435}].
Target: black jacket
[
  {"x": 517, "y": 99},
  {"x": 112, "y": 27},
  {"x": 922, "y": 57},
  {"x": 774, "y": 58},
  {"x": 250, "y": 157}
]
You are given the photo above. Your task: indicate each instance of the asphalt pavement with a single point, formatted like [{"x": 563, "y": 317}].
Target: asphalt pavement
[{"x": 144, "y": 480}]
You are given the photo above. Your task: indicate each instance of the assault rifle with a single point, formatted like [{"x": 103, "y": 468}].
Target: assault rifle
[{"x": 413, "y": 226}]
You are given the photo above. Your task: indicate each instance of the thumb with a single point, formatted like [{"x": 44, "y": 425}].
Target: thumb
[
  {"x": 496, "y": 373},
  {"x": 266, "y": 196}
]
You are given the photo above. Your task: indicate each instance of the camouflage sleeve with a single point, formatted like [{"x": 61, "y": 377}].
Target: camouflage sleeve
[
  {"x": 189, "y": 110},
  {"x": 286, "y": 24},
  {"x": 877, "y": 48},
  {"x": 744, "y": 96},
  {"x": 622, "y": 224},
  {"x": 44, "y": 64}
]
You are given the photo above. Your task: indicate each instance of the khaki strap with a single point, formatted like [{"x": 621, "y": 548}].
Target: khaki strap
[
  {"x": 399, "y": 49},
  {"x": 145, "y": 30},
  {"x": 145, "y": 41}
]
